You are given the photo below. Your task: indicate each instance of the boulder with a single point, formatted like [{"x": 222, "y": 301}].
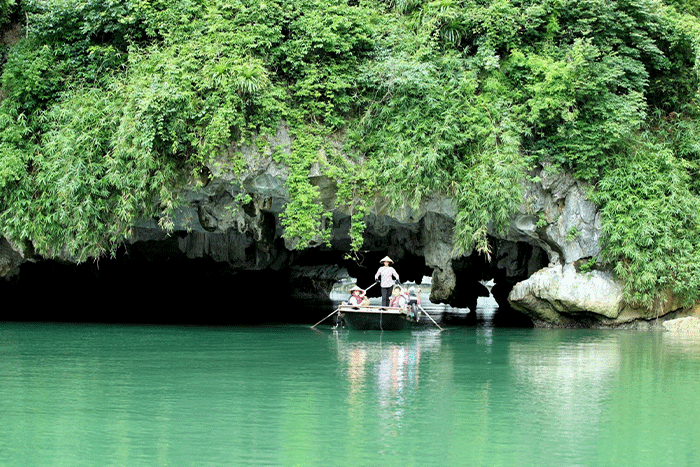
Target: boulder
[
  {"x": 10, "y": 259},
  {"x": 557, "y": 294},
  {"x": 688, "y": 326},
  {"x": 560, "y": 295}
]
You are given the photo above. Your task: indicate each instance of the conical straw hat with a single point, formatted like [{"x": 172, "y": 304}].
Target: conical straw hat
[{"x": 386, "y": 258}]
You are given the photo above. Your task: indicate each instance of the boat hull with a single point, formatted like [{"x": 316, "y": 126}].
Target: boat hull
[{"x": 375, "y": 318}]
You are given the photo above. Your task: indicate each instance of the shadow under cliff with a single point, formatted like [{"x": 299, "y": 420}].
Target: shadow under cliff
[
  {"x": 156, "y": 282},
  {"x": 176, "y": 291}
]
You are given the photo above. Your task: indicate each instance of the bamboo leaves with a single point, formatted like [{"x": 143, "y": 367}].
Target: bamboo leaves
[{"x": 651, "y": 225}]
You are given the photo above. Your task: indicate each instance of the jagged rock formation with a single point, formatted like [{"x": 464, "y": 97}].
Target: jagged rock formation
[
  {"x": 536, "y": 265},
  {"x": 10, "y": 260},
  {"x": 571, "y": 291}
]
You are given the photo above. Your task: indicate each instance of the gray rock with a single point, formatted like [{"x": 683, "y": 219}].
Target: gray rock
[
  {"x": 558, "y": 217},
  {"x": 557, "y": 294},
  {"x": 688, "y": 326},
  {"x": 10, "y": 259}
]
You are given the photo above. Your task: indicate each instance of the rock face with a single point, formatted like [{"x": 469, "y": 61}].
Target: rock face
[
  {"x": 570, "y": 292},
  {"x": 10, "y": 260},
  {"x": 536, "y": 265},
  {"x": 560, "y": 296},
  {"x": 567, "y": 225},
  {"x": 688, "y": 326}
]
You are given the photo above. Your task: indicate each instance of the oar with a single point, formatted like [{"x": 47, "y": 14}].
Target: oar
[
  {"x": 336, "y": 311},
  {"x": 431, "y": 318}
]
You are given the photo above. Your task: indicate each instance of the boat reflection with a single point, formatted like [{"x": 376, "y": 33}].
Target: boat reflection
[{"x": 383, "y": 369}]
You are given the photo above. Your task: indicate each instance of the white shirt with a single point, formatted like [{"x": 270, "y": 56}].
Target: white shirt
[{"x": 386, "y": 273}]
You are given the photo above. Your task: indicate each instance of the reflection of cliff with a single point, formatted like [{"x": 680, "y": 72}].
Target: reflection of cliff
[{"x": 551, "y": 381}]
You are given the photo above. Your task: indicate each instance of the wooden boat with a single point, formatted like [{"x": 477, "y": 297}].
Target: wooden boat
[{"x": 375, "y": 317}]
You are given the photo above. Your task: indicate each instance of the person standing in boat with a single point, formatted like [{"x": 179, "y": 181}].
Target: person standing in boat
[{"x": 385, "y": 276}]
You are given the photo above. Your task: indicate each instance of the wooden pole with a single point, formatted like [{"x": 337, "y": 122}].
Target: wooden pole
[
  {"x": 431, "y": 318},
  {"x": 336, "y": 311}
]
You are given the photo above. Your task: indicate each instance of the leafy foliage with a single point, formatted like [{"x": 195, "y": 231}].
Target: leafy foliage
[
  {"x": 6, "y": 9},
  {"x": 107, "y": 105},
  {"x": 651, "y": 224},
  {"x": 305, "y": 220}
]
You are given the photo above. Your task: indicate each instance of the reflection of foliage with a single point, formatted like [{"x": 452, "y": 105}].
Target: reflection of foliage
[{"x": 107, "y": 103}]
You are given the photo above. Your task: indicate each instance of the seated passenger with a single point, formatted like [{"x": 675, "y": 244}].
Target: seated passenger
[
  {"x": 357, "y": 297},
  {"x": 414, "y": 296},
  {"x": 414, "y": 301},
  {"x": 398, "y": 298}
]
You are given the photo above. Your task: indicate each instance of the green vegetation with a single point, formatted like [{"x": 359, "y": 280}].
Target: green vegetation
[
  {"x": 109, "y": 106},
  {"x": 6, "y": 9}
]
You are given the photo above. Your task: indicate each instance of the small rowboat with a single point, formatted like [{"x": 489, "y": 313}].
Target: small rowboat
[{"x": 376, "y": 317}]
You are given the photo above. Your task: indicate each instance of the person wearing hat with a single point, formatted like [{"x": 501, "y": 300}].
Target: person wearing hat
[
  {"x": 357, "y": 297},
  {"x": 385, "y": 276}
]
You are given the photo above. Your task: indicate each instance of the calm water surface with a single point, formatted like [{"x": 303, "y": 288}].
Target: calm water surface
[{"x": 99, "y": 395}]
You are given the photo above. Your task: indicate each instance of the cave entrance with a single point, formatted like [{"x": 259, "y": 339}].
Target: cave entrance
[
  {"x": 479, "y": 279},
  {"x": 156, "y": 282}
]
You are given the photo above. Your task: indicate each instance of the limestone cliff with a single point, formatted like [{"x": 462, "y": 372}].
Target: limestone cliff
[{"x": 544, "y": 267}]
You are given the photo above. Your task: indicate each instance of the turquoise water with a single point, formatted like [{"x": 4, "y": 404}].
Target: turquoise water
[{"x": 106, "y": 395}]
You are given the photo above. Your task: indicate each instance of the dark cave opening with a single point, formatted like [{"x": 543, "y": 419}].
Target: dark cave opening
[
  {"x": 118, "y": 290},
  {"x": 154, "y": 282}
]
